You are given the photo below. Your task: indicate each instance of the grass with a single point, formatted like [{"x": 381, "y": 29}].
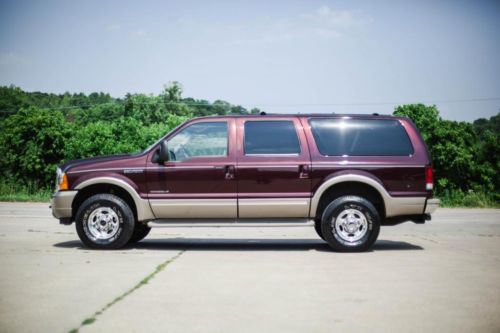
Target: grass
[
  {"x": 10, "y": 191},
  {"x": 455, "y": 199}
]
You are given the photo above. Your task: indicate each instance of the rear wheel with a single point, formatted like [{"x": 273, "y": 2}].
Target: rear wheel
[
  {"x": 350, "y": 224},
  {"x": 104, "y": 221}
]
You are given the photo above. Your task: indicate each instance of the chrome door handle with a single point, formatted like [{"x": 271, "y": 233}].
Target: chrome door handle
[
  {"x": 304, "y": 171},
  {"x": 230, "y": 172}
]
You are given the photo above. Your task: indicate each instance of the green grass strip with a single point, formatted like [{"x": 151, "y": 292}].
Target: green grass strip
[{"x": 159, "y": 268}]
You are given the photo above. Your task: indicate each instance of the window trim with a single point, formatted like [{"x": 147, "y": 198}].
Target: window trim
[
  {"x": 272, "y": 154},
  {"x": 203, "y": 156},
  {"x": 412, "y": 152}
]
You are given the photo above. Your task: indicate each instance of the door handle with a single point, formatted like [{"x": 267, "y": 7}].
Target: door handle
[
  {"x": 229, "y": 172},
  {"x": 304, "y": 171}
]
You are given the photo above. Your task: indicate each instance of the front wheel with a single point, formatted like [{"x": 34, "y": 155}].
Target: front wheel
[
  {"x": 317, "y": 227},
  {"x": 104, "y": 221},
  {"x": 140, "y": 232},
  {"x": 350, "y": 224}
]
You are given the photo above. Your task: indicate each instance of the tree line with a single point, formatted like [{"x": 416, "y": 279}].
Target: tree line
[{"x": 38, "y": 131}]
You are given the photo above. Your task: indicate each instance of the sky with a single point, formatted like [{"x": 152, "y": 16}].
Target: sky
[{"x": 280, "y": 56}]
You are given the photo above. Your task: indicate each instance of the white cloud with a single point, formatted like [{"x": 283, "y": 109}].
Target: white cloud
[
  {"x": 327, "y": 33},
  {"x": 113, "y": 27},
  {"x": 138, "y": 33},
  {"x": 329, "y": 23},
  {"x": 334, "y": 18},
  {"x": 324, "y": 23}
]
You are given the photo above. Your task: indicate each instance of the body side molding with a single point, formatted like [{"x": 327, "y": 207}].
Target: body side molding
[
  {"x": 273, "y": 207},
  {"x": 195, "y": 208}
]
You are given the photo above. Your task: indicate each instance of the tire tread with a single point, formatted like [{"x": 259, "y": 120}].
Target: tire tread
[{"x": 128, "y": 221}]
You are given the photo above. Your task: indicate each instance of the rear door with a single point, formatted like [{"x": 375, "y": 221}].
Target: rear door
[{"x": 273, "y": 168}]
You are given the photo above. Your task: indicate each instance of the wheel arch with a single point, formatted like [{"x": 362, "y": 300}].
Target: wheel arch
[
  {"x": 140, "y": 207},
  {"x": 350, "y": 184}
]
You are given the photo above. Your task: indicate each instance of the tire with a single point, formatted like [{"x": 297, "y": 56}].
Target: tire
[
  {"x": 140, "y": 232},
  {"x": 350, "y": 224},
  {"x": 104, "y": 221},
  {"x": 317, "y": 227}
]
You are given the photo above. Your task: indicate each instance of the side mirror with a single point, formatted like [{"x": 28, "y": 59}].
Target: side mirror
[{"x": 163, "y": 155}]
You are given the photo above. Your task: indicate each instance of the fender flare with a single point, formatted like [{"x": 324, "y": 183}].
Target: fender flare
[
  {"x": 142, "y": 206},
  {"x": 350, "y": 177}
]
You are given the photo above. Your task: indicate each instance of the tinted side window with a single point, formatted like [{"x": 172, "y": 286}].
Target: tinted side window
[
  {"x": 271, "y": 137},
  {"x": 337, "y": 137}
]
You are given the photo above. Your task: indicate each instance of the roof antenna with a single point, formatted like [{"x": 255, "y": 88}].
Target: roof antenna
[{"x": 262, "y": 113}]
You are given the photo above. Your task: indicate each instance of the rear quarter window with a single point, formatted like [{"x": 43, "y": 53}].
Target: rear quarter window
[{"x": 357, "y": 137}]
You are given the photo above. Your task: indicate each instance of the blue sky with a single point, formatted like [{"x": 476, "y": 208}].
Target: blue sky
[{"x": 282, "y": 56}]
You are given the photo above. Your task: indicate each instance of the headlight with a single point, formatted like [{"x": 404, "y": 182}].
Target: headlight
[{"x": 61, "y": 180}]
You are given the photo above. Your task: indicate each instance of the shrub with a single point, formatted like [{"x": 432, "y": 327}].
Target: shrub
[{"x": 32, "y": 145}]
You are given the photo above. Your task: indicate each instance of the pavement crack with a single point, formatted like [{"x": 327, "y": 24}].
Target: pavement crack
[{"x": 144, "y": 281}]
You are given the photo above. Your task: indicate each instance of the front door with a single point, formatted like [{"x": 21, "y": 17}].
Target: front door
[
  {"x": 198, "y": 180},
  {"x": 273, "y": 168}
]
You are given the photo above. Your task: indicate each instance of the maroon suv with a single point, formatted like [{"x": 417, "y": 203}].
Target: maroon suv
[{"x": 350, "y": 174}]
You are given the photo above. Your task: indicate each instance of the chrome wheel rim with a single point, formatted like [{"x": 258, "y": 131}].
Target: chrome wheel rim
[
  {"x": 350, "y": 225},
  {"x": 103, "y": 223}
]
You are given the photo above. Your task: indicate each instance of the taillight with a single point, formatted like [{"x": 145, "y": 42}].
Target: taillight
[{"x": 429, "y": 178}]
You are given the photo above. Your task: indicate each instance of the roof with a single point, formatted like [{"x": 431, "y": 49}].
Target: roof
[{"x": 310, "y": 115}]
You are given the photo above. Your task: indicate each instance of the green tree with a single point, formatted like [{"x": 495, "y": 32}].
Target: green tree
[
  {"x": 221, "y": 107},
  {"x": 171, "y": 96},
  {"x": 32, "y": 145},
  {"x": 455, "y": 147},
  {"x": 123, "y": 135},
  {"x": 426, "y": 118},
  {"x": 489, "y": 144},
  {"x": 41, "y": 130}
]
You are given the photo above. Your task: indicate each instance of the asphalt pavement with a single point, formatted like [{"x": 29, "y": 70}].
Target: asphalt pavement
[{"x": 443, "y": 276}]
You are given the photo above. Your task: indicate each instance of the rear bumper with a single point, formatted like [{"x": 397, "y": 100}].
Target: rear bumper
[
  {"x": 431, "y": 205},
  {"x": 61, "y": 204}
]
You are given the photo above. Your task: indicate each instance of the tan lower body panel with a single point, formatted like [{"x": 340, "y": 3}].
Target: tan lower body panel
[
  {"x": 194, "y": 208},
  {"x": 396, "y": 206},
  {"x": 431, "y": 205},
  {"x": 275, "y": 207},
  {"x": 61, "y": 203},
  {"x": 263, "y": 207}
]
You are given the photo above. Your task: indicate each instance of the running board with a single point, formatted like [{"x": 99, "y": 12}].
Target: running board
[{"x": 171, "y": 223}]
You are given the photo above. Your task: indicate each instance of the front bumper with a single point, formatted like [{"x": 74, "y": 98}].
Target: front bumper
[
  {"x": 61, "y": 204},
  {"x": 431, "y": 205}
]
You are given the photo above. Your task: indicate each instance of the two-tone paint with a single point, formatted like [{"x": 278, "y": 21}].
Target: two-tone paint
[{"x": 240, "y": 186}]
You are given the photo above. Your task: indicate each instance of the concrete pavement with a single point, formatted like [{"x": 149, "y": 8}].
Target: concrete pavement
[{"x": 443, "y": 276}]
